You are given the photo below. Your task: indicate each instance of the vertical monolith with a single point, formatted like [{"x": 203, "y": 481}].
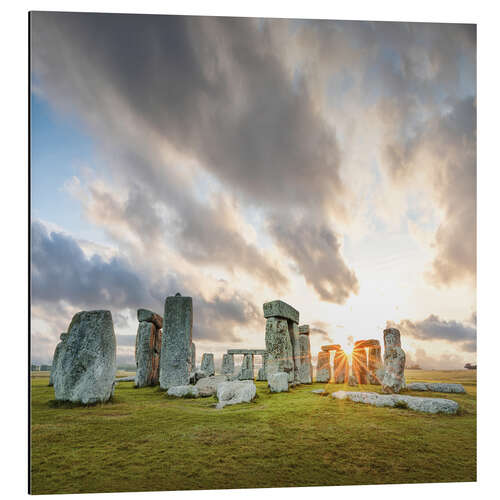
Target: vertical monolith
[
  {"x": 305, "y": 365},
  {"x": 193, "y": 358},
  {"x": 228, "y": 364},
  {"x": 323, "y": 368},
  {"x": 279, "y": 348},
  {"x": 175, "y": 360},
  {"x": 87, "y": 364},
  {"x": 341, "y": 367},
  {"x": 394, "y": 362},
  {"x": 374, "y": 365},
  {"x": 247, "y": 368},
  {"x": 57, "y": 354},
  {"x": 208, "y": 364}
]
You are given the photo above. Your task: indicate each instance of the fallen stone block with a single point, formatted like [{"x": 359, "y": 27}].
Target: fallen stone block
[
  {"x": 436, "y": 387},
  {"x": 425, "y": 405},
  {"x": 208, "y": 386},
  {"x": 278, "y": 382},
  {"x": 231, "y": 393},
  {"x": 183, "y": 391},
  {"x": 125, "y": 379}
]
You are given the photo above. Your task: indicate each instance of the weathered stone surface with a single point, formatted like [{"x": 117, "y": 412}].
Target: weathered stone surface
[
  {"x": 323, "y": 368},
  {"x": 208, "y": 386},
  {"x": 255, "y": 352},
  {"x": 436, "y": 387},
  {"x": 175, "y": 361},
  {"x": 208, "y": 364},
  {"x": 87, "y": 364},
  {"x": 318, "y": 391},
  {"x": 360, "y": 365},
  {"x": 227, "y": 364},
  {"x": 278, "y": 382},
  {"x": 231, "y": 393},
  {"x": 352, "y": 381},
  {"x": 341, "y": 367},
  {"x": 394, "y": 362},
  {"x": 55, "y": 358},
  {"x": 195, "y": 376},
  {"x": 280, "y": 309},
  {"x": 331, "y": 347},
  {"x": 247, "y": 368},
  {"x": 150, "y": 317},
  {"x": 183, "y": 391},
  {"x": 304, "y": 329},
  {"x": 279, "y": 348},
  {"x": 426, "y": 405},
  {"x": 374, "y": 365},
  {"x": 305, "y": 365},
  {"x": 364, "y": 344},
  {"x": 193, "y": 357},
  {"x": 147, "y": 355},
  {"x": 293, "y": 330},
  {"x": 261, "y": 375}
]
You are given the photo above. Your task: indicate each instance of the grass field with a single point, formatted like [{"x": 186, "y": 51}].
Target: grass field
[{"x": 145, "y": 441}]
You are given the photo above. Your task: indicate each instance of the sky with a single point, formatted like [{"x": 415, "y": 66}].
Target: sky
[{"x": 329, "y": 164}]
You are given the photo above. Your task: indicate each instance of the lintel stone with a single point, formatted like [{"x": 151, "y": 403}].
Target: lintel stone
[{"x": 280, "y": 309}]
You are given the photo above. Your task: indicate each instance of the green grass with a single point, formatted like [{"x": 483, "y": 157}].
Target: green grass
[{"x": 144, "y": 441}]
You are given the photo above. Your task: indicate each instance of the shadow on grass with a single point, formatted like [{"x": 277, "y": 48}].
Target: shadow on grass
[{"x": 54, "y": 403}]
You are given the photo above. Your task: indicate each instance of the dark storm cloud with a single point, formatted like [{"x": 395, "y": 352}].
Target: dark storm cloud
[
  {"x": 315, "y": 250},
  {"x": 61, "y": 271},
  {"x": 217, "y": 91},
  {"x": 214, "y": 87},
  {"x": 434, "y": 328}
]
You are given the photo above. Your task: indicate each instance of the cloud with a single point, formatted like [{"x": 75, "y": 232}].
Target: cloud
[
  {"x": 433, "y": 328},
  {"x": 315, "y": 250},
  {"x": 61, "y": 271},
  {"x": 217, "y": 103},
  {"x": 443, "y": 151}
]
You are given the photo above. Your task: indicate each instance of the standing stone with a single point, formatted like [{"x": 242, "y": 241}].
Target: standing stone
[
  {"x": 374, "y": 364},
  {"x": 150, "y": 317},
  {"x": 193, "y": 357},
  {"x": 293, "y": 330},
  {"x": 247, "y": 368},
  {"x": 57, "y": 354},
  {"x": 86, "y": 366},
  {"x": 207, "y": 364},
  {"x": 175, "y": 359},
  {"x": 323, "y": 369},
  {"x": 360, "y": 364},
  {"x": 228, "y": 364},
  {"x": 305, "y": 367},
  {"x": 394, "y": 362},
  {"x": 147, "y": 347},
  {"x": 261, "y": 374},
  {"x": 341, "y": 367},
  {"x": 278, "y": 382},
  {"x": 278, "y": 347}
]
